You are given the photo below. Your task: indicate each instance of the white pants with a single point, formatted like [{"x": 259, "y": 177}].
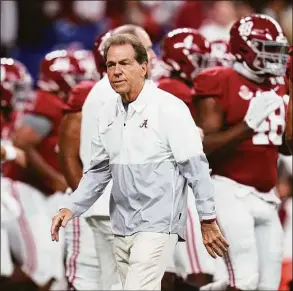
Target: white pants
[
  {"x": 250, "y": 223},
  {"x": 82, "y": 265},
  {"x": 105, "y": 249},
  {"x": 29, "y": 234},
  {"x": 142, "y": 259},
  {"x": 191, "y": 256}
]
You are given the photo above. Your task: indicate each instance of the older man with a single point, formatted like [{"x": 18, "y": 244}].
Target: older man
[
  {"x": 148, "y": 144},
  {"x": 76, "y": 132}
]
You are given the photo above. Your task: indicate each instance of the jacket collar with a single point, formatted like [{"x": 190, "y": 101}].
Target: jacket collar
[{"x": 141, "y": 100}]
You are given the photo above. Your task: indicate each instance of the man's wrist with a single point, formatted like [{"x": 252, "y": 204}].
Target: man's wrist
[{"x": 208, "y": 221}]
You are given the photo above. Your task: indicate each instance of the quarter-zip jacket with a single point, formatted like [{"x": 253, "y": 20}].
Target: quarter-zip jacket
[{"x": 152, "y": 153}]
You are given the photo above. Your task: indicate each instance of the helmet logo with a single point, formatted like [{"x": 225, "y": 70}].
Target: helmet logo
[
  {"x": 245, "y": 28},
  {"x": 61, "y": 64}
]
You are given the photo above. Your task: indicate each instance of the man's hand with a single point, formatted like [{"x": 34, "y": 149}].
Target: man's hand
[
  {"x": 61, "y": 219},
  {"x": 213, "y": 239}
]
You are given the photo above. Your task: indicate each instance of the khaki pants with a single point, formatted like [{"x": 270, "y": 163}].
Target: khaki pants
[
  {"x": 142, "y": 259},
  {"x": 104, "y": 243}
]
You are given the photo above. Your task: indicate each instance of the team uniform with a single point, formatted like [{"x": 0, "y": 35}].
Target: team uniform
[
  {"x": 25, "y": 227},
  {"x": 286, "y": 208},
  {"x": 44, "y": 116},
  {"x": 246, "y": 179},
  {"x": 82, "y": 264}
]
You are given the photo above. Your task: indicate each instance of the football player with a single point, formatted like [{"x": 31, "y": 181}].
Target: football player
[
  {"x": 186, "y": 52},
  {"x": 37, "y": 135},
  {"x": 242, "y": 112},
  {"x": 25, "y": 218}
]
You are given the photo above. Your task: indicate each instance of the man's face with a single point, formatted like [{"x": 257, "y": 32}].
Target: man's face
[
  {"x": 146, "y": 41},
  {"x": 124, "y": 72}
]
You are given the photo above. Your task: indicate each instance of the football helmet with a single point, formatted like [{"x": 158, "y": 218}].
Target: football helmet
[
  {"x": 220, "y": 51},
  {"x": 186, "y": 51},
  {"x": 260, "y": 44},
  {"x": 61, "y": 70},
  {"x": 16, "y": 84},
  {"x": 98, "y": 53}
]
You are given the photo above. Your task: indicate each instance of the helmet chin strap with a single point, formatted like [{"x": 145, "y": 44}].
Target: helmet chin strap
[{"x": 245, "y": 71}]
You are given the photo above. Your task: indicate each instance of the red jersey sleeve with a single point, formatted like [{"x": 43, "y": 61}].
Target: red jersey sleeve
[
  {"x": 78, "y": 95},
  {"x": 211, "y": 83}
]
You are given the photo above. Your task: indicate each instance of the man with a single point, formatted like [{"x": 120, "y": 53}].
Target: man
[
  {"x": 186, "y": 52},
  {"x": 289, "y": 117},
  {"x": 73, "y": 161},
  {"x": 140, "y": 137},
  {"x": 242, "y": 112}
]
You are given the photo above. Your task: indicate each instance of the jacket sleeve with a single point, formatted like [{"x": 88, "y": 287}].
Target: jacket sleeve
[
  {"x": 185, "y": 142},
  {"x": 93, "y": 183}
]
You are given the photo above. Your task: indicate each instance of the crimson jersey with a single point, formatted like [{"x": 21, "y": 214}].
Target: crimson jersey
[
  {"x": 49, "y": 106},
  {"x": 254, "y": 161},
  {"x": 179, "y": 89},
  {"x": 78, "y": 96}
]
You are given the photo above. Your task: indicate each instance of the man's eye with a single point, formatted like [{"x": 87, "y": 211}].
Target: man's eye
[
  {"x": 125, "y": 64},
  {"x": 110, "y": 65}
]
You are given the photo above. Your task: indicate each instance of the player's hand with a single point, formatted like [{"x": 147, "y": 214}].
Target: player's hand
[
  {"x": 61, "y": 219},
  {"x": 261, "y": 107},
  {"x": 213, "y": 239}
]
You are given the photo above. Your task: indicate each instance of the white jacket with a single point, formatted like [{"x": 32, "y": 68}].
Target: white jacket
[{"x": 152, "y": 152}]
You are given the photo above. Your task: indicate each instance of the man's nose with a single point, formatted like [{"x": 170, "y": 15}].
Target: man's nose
[{"x": 117, "y": 70}]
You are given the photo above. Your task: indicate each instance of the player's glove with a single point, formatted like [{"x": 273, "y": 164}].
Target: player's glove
[{"x": 261, "y": 107}]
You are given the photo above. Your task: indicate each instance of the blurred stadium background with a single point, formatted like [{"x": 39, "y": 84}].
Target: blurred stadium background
[{"x": 31, "y": 28}]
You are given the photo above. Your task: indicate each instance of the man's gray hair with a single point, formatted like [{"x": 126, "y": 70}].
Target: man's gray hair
[{"x": 141, "y": 55}]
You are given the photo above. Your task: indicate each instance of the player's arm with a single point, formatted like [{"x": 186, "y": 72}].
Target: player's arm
[
  {"x": 69, "y": 143},
  {"x": 211, "y": 119},
  {"x": 27, "y": 137},
  {"x": 289, "y": 120}
]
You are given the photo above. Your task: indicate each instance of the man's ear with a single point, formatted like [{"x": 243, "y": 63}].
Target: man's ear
[{"x": 144, "y": 69}]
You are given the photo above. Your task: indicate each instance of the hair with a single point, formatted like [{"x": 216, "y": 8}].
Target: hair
[
  {"x": 141, "y": 55},
  {"x": 126, "y": 28}
]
